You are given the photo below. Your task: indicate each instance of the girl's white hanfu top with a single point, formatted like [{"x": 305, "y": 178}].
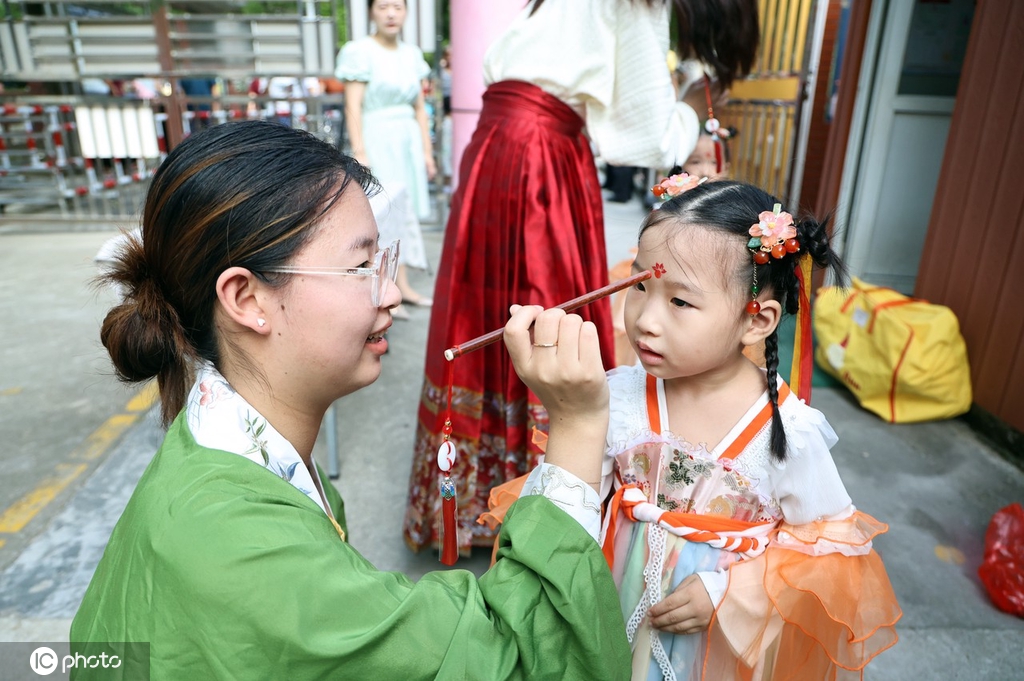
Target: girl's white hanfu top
[
  {"x": 606, "y": 60},
  {"x": 804, "y": 488}
]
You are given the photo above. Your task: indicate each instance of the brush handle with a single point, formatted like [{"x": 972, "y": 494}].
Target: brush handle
[{"x": 568, "y": 306}]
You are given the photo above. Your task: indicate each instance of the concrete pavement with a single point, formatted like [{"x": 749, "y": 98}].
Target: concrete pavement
[{"x": 936, "y": 484}]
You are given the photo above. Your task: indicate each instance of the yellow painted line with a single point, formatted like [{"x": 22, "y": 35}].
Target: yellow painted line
[
  {"x": 10, "y": 391},
  {"x": 2, "y": 542},
  {"x": 21, "y": 512},
  {"x": 104, "y": 436},
  {"x": 145, "y": 399}
]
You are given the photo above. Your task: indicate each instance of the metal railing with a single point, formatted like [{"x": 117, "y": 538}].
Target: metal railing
[
  {"x": 770, "y": 108},
  {"x": 89, "y": 159},
  {"x": 66, "y": 153}
]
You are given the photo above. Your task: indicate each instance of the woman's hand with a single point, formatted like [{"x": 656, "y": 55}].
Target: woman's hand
[
  {"x": 431, "y": 167},
  {"x": 687, "y": 610},
  {"x": 559, "y": 359}
]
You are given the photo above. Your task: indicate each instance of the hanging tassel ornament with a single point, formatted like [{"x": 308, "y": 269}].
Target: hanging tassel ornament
[
  {"x": 445, "y": 461},
  {"x": 714, "y": 128},
  {"x": 803, "y": 353}
]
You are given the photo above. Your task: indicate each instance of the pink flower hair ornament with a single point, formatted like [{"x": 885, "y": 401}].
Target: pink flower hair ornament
[
  {"x": 671, "y": 187},
  {"x": 774, "y": 235}
]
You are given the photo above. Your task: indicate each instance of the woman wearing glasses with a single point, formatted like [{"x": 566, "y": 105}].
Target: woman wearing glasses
[{"x": 257, "y": 296}]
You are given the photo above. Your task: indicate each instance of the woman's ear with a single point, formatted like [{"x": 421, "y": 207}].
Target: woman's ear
[
  {"x": 761, "y": 325},
  {"x": 238, "y": 291}
]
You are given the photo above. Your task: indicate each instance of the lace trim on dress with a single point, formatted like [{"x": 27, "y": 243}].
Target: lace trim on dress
[
  {"x": 656, "y": 535},
  {"x": 627, "y": 406},
  {"x": 651, "y": 596},
  {"x": 753, "y": 462}
]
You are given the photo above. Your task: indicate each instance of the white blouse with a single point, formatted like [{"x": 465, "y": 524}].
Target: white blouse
[
  {"x": 220, "y": 418},
  {"x": 606, "y": 60}
]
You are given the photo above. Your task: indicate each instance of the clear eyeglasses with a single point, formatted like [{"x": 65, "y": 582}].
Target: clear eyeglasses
[{"x": 384, "y": 269}]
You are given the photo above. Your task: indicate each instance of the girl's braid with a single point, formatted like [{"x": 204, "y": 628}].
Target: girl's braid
[{"x": 771, "y": 359}]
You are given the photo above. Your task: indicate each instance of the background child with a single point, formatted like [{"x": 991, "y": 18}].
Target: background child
[
  {"x": 702, "y": 162},
  {"x": 735, "y": 546}
]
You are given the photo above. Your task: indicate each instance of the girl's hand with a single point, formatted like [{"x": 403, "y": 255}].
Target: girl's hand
[
  {"x": 559, "y": 359},
  {"x": 431, "y": 167},
  {"x": 687, "y": 610}
]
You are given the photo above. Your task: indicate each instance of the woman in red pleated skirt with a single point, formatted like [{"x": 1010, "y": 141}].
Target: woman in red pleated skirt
[
  {"x": 527, "y": 226},
  {"x": 528, "y": 230}
]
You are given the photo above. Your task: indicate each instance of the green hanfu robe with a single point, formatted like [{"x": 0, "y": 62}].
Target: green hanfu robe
[{"x": 230, "y": 572}]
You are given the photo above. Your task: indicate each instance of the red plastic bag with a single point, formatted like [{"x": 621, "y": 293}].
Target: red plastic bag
[{"x": 1002, "y": 571}]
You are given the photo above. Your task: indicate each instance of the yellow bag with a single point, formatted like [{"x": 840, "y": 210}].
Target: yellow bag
[{"x": 903, "y": 358}]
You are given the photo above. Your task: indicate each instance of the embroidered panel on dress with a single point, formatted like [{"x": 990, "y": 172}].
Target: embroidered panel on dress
[{"x": 686, "y": 479}]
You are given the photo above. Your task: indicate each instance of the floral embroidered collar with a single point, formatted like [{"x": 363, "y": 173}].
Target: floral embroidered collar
[{"x": 220, "y": 418}]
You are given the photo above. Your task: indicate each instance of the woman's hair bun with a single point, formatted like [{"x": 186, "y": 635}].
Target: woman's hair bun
[{"x": 143, "y": 334}]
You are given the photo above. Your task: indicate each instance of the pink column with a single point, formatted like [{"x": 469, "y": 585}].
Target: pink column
[{"x": 474, "y": 25}]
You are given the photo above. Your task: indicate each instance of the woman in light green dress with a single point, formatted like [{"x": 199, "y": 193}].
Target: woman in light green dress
[{"x": 388, "y": 128}]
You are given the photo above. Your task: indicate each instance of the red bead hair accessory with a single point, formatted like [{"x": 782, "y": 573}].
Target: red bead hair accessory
[
  {"x": 773, "y": 236},
  {"x": 674, "y": 186}
]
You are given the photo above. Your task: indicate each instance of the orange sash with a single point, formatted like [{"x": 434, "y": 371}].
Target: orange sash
[{"x": 738, "y": 536}]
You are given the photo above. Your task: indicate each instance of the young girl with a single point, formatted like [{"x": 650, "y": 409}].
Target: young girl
[{"x": 735, "y": 546}]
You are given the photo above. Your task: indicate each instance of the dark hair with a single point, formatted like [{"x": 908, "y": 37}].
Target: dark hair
[
  {"x": 732, "y": 207},
  {"x": 247, "y": 194},
  {"x": 724, "y": 34}
]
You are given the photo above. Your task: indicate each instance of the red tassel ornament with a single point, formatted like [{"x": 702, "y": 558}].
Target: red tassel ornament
[
  {"x": 449, "y": 533},
  {"x": 712, "y": 126},
  {"x": 449, "y": 524}
]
